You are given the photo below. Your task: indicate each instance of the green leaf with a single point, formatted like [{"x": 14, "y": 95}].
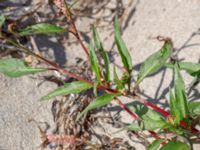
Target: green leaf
[
  {"x": 13, "y": 67},
  {"x": 98, "y": 102},
  {"x": 194, "y": 108},
  {"x": 117, "y": 81},
  {"x": 103, "y": 53},
  {"x": 123, "y": 51},
  {"x": 2, "y": 20},
  {"x": 94, "y": 62},
  {"x": 174, "y": 108},
  {"x": 134, "y": 127},
  {"x": 41, "y": 28},
  {"x": 192, "y": 68},
  {"x": 154, "y": 62},
  {"x": 177, "y": 130},
  {"x": 155, "y": 144},
  {"x": 180, "y": 95},
  {"x": 97, "y": 40},
  {"x": 69, "y": 88},
  {"x": 169, "y": 65},
  {"x": 175, "y": 146},
  {"x": 151, "y": 119}
]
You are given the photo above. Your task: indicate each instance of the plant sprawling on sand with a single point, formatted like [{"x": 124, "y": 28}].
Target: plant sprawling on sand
[{"x": 146, "y": 115}]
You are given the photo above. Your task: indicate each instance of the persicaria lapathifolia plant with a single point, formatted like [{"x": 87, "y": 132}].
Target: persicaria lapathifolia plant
[{"x": 182, "y": 113}]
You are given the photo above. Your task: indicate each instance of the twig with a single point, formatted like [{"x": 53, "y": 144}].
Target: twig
[{"x": 63, "y": 6}]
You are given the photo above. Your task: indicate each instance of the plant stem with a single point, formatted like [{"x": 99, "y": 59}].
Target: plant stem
[
  {"x": 109, "y": 90},
  {"x": 135, "y": 116},
  {"x": 164, "y": 113},
  {"x": 73, "y": 28}
]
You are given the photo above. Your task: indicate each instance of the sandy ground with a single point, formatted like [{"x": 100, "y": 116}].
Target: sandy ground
[{"x": 177, "y": 19}]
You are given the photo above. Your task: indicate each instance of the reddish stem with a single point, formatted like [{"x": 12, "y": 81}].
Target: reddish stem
[
  {"x": 167, "y": 114},
  {"x": 76, "y": 34},
  {"x": 60, "y": 69},
  {"x": 135, "y": 116},
  {"x": 154, "y": 134},
  {"x": 154, "y": 107},
  {"x": 74, "y": 29}
]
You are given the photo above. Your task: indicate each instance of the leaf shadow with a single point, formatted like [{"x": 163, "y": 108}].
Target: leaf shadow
[{"x": 45, "y": 43}]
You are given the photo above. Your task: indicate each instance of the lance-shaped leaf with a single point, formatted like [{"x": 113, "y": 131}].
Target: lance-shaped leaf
[
  {"x": 41, "y": 28},
  {"x": 180, "y": 95},
  {"x": 123, "y": 51},
  {"x": 103, "y": 53},
  {"x": 192, "y": 68},
  {"x": 98, "y": 102},
  {"x": 174, "y": 108},
  {"x": 94, "y": 62},
  {"x": 154, "y": 62},
  {"x": 13, "y": 67},
  {"x": 194, "y": 109},
  {"x": 2, "y": 20},
  {"x": 69, "y": 88},
  {"x": 117, "y": 81},
  {"x": 151, "y": 120},
  {"x": 177, "y": 145},
  {"x": 97, "y": 40},
  {"x": 155, "y": 144}
]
